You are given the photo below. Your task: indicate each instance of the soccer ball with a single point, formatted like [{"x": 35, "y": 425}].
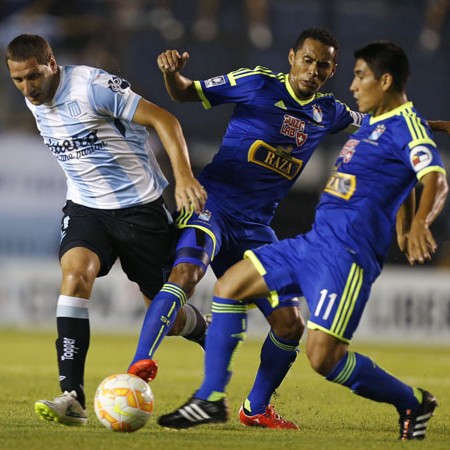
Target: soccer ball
[{"x": 123, "y": 402}]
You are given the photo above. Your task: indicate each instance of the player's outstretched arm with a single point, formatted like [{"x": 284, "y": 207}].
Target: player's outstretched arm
[
  {"x": 188, "y": 190},
  {"x": 439, "y": 125},
  {"x": 179, "y": 87},
  {"x": 421, "y": 244}
]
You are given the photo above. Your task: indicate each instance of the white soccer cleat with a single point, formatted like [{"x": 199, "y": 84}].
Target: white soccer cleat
[{"x": 65, "y": 409}]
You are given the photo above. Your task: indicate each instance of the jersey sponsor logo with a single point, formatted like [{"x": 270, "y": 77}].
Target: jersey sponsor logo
[
  {"x": 75, "y": 148},
  {"x": 280, "y": 104},
  {"x": 117, "y": 84},
  {"x": 317, "y": 113},
  {"x": 420, "y": 157},
  {"x": 341, "y": 185},
  {"x": 379, "y": 130},
  {"x": 215, "y": 81},
  {"x": 294, "y": 128},
  {"x": 277, "y": 159},
  {"x": 348, "y": 150}
]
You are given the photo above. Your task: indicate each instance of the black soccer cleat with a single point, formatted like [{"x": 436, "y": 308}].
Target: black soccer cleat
[
  {"x": 413, "y": 423},
  {"x": 196, "y": 412}
]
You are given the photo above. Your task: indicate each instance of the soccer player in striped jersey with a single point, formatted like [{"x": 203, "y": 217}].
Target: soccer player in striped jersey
[
  {"x": 96, "y": 127},
  {"x": 278, "y": 122},
  {"x": 369, "y": 194}
]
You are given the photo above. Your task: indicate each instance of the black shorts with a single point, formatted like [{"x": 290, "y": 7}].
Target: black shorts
[{"x": 141, "y": 237}]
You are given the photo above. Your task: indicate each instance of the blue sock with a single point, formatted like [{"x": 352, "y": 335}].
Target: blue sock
[
  {"x": 277, "y": 357},
  {"x": 159, "y": 319},
  {"x": 225, "y": 334},
  {"x": 365, "y": 378}
]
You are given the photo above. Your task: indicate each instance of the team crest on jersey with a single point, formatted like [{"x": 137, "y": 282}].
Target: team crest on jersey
[
  {"x": 294, "y": 128},
  {"x": 379, "y": 130},
  {"x": 117, "y": 84},
  {"x": 317, "y": 113},
  {"x": 215, "y": 81},
  {"x": 348, "y": 150},
  {"x": 277, "y": 159},
  {"x": 74, "y": 109},
  {"x": 420, "y": 157}
]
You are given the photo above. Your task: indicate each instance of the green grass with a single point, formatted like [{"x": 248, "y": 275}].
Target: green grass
[{"x": 330, "y": 416}]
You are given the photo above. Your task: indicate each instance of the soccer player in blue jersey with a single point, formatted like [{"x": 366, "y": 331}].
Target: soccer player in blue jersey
[
  {"x": 370, "y": 192},
  {"x": 96, "y": 127},
  {"x": 278, "y": 122}
]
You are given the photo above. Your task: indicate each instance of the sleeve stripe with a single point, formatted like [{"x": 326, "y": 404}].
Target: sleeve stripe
[
  {"x": 205, "y": 101},
  {"x": 418, "y": 132},
  {"x": 258, "y": 70},
  {"x": 423, "y": 172}
]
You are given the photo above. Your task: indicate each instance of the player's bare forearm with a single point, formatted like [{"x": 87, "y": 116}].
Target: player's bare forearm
[
  {"x": 432, "y": 199},
  {"x": 179, "y": 87},
  {"x": 188, "y": 191},
  {"x": 439, "y": 125},
  {"x": 421, "y": 244},
  {"x": 404, "y": 219}
]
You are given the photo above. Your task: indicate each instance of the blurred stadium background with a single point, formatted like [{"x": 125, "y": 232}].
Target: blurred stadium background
[{"x": 125, "y": 37}]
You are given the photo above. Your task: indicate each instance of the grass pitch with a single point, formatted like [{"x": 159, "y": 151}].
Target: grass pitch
[{"x": 330, "y": 416}]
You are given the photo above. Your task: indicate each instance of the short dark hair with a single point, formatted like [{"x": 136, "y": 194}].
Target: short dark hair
[
  {"x": 28, "y": 46},
  {"x": 386, "y": 57},
  {"x": 319, "y": 34}
]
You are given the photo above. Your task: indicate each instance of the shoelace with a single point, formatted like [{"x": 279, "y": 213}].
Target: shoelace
[{"x": 271, "y": 413}]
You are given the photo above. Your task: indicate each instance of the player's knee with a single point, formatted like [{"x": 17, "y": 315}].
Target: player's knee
[
  {"x": 291, "y": 329},
  {"x": 287, "y": 323},
  {"x": 77, "y": 282},
  {"x": 321, "y": 360},
  {"x": 224, "y": 289},
  {"x": 187, "y": 276},
  {"x": 319, "y": 364}
]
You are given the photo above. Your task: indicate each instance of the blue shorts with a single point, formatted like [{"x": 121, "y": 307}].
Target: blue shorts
[
  {"x": 215, "y": 238},
  {"x": 335, "y": 286}
]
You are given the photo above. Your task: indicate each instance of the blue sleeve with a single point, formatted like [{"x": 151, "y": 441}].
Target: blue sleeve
[
  {"x": 239, "y": 86},
  {"x": 419, "y": 149},
  {"x": 344, "y": 117}
]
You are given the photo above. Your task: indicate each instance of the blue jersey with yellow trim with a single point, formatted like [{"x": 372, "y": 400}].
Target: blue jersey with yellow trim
[
  {"x": 373, "y": 175},
  {"x": 269, "y": 140}
]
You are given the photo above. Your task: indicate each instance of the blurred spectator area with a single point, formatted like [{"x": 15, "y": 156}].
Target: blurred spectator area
[{"x": 125, "y": 37}]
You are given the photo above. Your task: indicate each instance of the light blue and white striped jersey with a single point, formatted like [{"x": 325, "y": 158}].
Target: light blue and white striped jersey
[{"x": 87, "y": 126}]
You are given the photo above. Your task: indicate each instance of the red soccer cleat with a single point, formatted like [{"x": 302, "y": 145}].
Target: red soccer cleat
[
  {"x": 269, "y": 419},
  {"x": 145, "y": 369}
]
